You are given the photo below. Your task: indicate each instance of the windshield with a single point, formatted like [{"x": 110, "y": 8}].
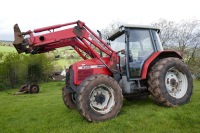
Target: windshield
[
  {"x": 140, "y": 44},
  {"x": 119, "y": 43}
]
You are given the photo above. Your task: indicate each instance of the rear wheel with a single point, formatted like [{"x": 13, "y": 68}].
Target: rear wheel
[
  {"x": 99, "y": 98},
  {"x": 170, "y": 82}
]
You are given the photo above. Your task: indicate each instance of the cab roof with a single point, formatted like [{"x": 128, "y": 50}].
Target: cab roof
[{"x": 121, "y": 29}]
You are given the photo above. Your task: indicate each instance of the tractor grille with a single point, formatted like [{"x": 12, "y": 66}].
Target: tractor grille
[{"x": 82, "y": 74}]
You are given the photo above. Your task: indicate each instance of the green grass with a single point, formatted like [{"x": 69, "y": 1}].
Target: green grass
[
  {"x": 7, "y": 49},
  {"x": 45, "y": 112}
]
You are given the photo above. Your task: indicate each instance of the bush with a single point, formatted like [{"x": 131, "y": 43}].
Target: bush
[
  {"x": 194, "y": 66},
  {"x": 21, "y": 69}
]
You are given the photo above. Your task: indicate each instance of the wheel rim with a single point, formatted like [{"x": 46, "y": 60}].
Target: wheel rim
[
  {"x": 102, "y": 99},
  {"x": 34, "y": 89},
  {"x": 176, "y": 83}
]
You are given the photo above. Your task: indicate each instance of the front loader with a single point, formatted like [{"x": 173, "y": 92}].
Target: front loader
[{"x": 136, "y": 66}]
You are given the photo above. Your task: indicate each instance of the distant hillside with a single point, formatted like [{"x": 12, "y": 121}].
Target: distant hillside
[
  {"x": 7, "y": 49},
  {"x": 6, "y": 43}
]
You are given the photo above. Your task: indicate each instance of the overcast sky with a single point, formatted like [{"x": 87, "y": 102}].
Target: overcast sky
[{"x": 31, "y": 14}]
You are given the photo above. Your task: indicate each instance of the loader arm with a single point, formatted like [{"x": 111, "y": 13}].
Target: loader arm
[{"x": 80, "y": 37}]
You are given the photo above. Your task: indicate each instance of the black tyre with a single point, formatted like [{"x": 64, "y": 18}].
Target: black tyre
[
  {"x": 99, "y": 98},
  {"x": 170, "y": 82},
  {"x": 34, "y": 89},
  {"x": 68, "y": 97}
]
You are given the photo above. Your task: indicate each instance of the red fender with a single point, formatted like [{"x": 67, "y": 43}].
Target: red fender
[{"x": 152, "y": 60}]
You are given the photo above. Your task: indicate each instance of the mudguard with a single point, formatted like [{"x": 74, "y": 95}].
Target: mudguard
[{"x": 154, "y": 58}]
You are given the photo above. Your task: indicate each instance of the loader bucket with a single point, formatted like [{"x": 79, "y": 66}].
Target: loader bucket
[{"x": 19, "y": 42}]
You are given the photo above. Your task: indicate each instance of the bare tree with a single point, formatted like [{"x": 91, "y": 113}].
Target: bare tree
[
  {"x": 183, "y": 36},
  {"x": 168, "y": 32},
  {"x": 111, "y": 27},
  {"x": 188, "y": 38}
]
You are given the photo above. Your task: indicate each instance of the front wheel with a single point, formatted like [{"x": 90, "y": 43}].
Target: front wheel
[
  {"x": 170, "y": 82},
  {"x": 68, "y": 98},
  {"x": 99, "y": 98}
]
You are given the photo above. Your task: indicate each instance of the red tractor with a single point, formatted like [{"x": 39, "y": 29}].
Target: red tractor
[{"x": 136, "y": 68}]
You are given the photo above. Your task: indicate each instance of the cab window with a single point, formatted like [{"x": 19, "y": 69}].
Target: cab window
[{"x": 140, "y": 48}]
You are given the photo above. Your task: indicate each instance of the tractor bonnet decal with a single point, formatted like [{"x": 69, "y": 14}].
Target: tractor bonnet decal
[{"x": 91, "y": 67}]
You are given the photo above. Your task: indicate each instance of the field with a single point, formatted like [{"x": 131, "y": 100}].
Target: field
[
  {"x": 45, "y": 112},
  {"x": 7, "y": 49},
  {"x": 63, "y": 62},
  {"x": 66, "y": 60}
]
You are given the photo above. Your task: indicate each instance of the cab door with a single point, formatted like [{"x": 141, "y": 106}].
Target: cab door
[{"x": 139, "y": 49}]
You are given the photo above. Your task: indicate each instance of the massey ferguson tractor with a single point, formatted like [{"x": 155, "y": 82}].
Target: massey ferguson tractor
[{"x": 96, "y": 86}]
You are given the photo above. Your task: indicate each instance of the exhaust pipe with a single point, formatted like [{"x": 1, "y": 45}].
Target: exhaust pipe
[{"x": 100, "y": 36}]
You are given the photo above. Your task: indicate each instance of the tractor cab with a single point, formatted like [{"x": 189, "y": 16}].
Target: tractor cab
[{"x": 137, "y": 43}]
